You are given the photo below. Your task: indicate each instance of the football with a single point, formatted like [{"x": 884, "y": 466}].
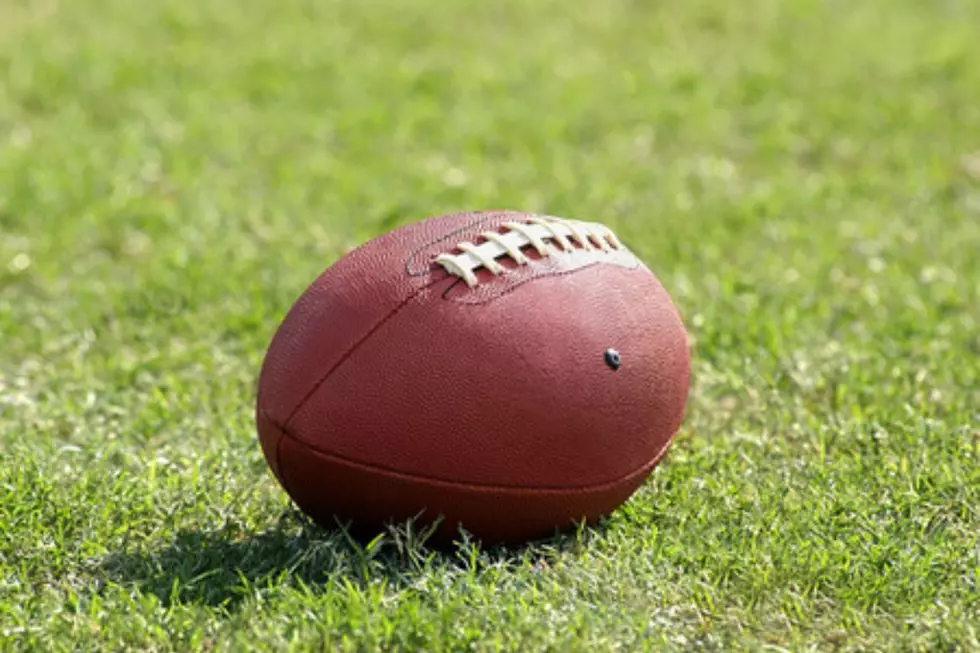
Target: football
[{"x": 507, "y": 373}]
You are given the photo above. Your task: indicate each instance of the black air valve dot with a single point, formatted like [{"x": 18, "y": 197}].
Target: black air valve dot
[{"x": 613, "y": 359}]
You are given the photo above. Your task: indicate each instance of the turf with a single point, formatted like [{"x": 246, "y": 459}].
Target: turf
[{"x": 803, "y": 175}]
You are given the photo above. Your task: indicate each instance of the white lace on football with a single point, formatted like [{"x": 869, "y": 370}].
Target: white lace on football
[{"x": 547, "y": 235}]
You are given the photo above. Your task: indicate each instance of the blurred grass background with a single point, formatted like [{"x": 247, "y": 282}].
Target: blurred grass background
[{"x": 804, "y": 176}]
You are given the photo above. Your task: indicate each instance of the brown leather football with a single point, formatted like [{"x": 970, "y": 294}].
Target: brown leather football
[{"x": 511, "y": 373}]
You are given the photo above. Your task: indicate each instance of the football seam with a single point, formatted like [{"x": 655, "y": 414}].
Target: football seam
[
  {"x": 279, "y": 471},
  {"x": 650, "y": 464},
  {"x": 350, "y": 350}
]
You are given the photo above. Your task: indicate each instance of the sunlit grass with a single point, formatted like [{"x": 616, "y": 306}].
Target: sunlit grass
[{"x": 801, "y": 175}]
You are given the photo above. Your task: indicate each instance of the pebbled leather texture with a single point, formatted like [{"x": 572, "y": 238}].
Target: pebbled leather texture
[
  {"x": 391, "y": 387},
  {"x": 365, "y": 498}
]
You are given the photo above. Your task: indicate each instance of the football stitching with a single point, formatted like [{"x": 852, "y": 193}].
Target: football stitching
[
  {"x": 360, "y": 341},
  {"x": 350, "y": 351},
  {"x": 543, "y": 233},
  {"x": 484, "y": 217}
]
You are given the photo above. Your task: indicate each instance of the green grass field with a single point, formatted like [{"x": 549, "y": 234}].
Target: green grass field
[{"x": 804, "y": 176}]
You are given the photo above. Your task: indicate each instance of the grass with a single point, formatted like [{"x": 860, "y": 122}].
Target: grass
[{"x": 804, "y": 176}]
